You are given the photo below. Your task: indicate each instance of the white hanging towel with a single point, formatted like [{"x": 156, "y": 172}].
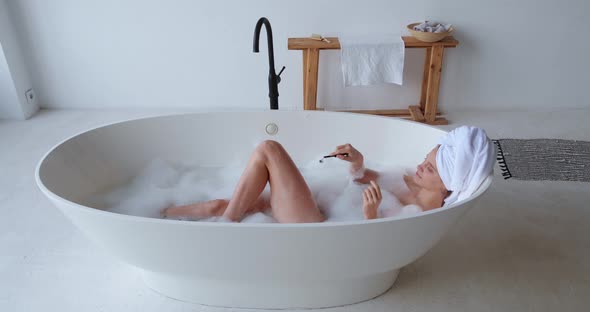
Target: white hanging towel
[{"x": 371, "y": 60}]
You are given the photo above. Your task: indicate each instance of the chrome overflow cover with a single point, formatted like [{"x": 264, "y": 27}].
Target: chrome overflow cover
[{"x": 272, "y": 128}]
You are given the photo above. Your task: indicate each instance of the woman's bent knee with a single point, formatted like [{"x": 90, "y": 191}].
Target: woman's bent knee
[
  {"x": 270, "y": 145},
  {"x": 269, "y": 148}
]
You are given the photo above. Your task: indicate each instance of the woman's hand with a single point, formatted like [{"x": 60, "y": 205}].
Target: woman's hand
[
  {"x": 355, "y": 157},
  {"x": 371, "y": 200}
]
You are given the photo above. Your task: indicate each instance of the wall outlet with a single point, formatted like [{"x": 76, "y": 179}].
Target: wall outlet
[{"x": 31, "y": 97}]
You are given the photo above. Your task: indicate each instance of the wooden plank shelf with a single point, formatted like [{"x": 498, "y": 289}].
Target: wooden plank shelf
[
  {"x": 426, "y": 111},
  {"x": 334, "y": 44}
]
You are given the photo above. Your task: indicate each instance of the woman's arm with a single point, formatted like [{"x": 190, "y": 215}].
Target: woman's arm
[
  {"x": 372, "y": 194},
  {"x": 368, "y": 176},
  {"x": 357, "y": 167}
]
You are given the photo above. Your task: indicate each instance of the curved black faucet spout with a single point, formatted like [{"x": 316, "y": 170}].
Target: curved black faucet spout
[{"x": 273, "y": 78}]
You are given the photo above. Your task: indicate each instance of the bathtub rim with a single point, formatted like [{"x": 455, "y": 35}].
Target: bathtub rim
[{"x": 482, "y": 188}]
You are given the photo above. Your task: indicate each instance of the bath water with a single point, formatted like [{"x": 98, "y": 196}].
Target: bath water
[{"x": 162, "y": 184}]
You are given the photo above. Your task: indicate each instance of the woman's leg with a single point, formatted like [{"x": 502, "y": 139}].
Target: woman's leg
[
  {"x": 290, "y": 197},
  {"x": 205, "y": 209},
  {"x": 211, "y": 208}
]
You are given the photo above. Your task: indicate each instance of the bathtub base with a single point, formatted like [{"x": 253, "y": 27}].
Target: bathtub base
[{"x": 270, "y": 294}]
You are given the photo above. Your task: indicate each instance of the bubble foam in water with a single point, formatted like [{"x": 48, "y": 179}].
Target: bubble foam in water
[{"x": 162, "y": 184}]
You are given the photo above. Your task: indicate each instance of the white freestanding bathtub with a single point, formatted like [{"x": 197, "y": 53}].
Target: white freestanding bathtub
[{"x": 247, "y": 265}]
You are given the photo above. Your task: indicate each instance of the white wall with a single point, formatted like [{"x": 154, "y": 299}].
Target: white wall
[
  {"x": 521, "y": 55},
  {"x": 14, "y": 73},
  {"x": 9, "y": 105}
]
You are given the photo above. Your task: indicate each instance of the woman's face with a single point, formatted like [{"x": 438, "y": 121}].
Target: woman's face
[{"x": 427, "y": 173}]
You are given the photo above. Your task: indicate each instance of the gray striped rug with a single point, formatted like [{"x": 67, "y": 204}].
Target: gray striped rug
[{"x": 544, "y": 159}]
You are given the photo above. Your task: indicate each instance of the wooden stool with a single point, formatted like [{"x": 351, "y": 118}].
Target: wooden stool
[{"x": 425, "y": 112}]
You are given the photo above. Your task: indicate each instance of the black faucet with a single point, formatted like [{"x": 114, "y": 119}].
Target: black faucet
[{"x": 273, "y": 78}]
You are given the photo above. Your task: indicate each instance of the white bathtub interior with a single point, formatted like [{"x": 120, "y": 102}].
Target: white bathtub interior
[{"x": 109, "y": 156}]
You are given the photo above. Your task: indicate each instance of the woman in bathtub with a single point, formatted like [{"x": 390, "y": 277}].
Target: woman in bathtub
[{"x": 451, "y": 171}]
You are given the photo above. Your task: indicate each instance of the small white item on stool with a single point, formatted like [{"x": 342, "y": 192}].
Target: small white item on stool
[{"x": 319, "y": 38}]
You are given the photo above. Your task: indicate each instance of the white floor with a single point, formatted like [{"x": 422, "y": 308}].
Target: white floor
[{"x": 526, "y": 248}]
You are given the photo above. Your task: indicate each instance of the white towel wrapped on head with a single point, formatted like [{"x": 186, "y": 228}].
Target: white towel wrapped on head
[{"x": 465, "y": 158}]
